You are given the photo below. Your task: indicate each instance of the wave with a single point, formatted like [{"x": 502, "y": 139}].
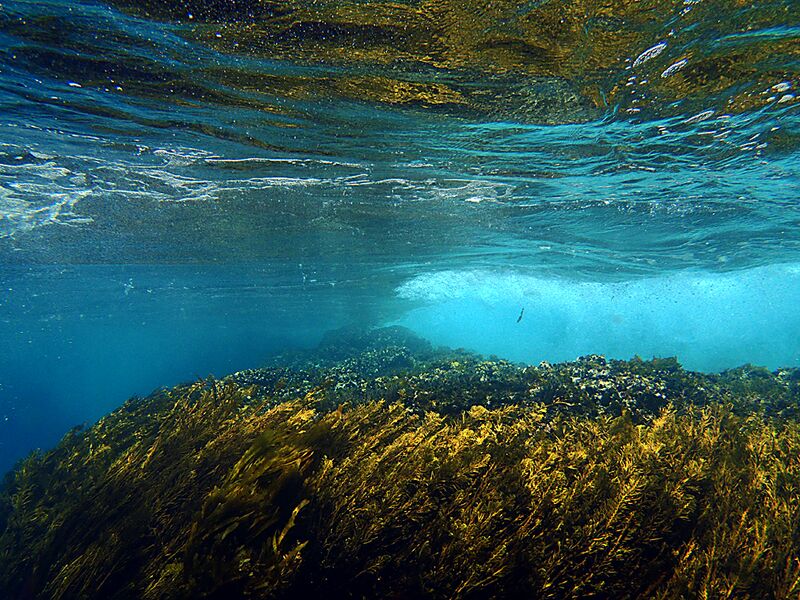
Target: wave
[{"x": 709, "y": 321}]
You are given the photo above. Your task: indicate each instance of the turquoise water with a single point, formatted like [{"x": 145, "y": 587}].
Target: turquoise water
[{"x": 187, "y": 189}]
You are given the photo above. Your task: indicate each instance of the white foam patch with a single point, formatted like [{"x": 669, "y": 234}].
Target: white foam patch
[{"x": 709, "y": 321}]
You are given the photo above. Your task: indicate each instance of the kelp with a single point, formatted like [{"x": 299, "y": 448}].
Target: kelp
[{"x": 220, "y": 489}]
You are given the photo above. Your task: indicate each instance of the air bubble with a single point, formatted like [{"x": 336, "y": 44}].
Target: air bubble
[{"x": 650, "y": 53}]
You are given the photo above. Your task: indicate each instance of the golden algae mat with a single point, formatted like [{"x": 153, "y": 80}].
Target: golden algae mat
[{"x": 378, "y": 467}]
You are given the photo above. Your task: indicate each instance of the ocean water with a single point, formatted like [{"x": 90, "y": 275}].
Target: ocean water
[{"x": 187, "y": 188}]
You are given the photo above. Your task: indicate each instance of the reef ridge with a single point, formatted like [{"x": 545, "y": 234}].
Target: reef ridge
[{"x": 379, "y": 466}]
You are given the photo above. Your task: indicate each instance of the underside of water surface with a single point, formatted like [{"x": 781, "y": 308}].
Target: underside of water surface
[{"x": 190, "y": 189}]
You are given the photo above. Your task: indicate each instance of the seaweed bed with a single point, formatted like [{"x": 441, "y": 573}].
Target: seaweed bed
[{"x": 377, "y": 466}]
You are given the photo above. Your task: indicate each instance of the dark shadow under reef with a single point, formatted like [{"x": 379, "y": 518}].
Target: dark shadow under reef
[{"x": 377, "y": 466}]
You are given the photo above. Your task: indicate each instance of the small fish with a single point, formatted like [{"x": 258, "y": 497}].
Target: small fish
[{"x": 519, "y": 318}]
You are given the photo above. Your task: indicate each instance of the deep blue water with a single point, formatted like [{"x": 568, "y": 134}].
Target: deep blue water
[{"x": 187, "y": 189}]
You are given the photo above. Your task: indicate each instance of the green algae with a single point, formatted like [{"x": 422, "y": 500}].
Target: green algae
[{"x": 393, "y": 470}]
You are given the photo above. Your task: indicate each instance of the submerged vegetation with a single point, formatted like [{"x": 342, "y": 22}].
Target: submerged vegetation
[{"x": 378, "y": 467}]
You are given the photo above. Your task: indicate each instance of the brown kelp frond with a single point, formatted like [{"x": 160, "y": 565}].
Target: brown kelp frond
[
  {"x": 127, "y": 489},
  {"x": 604, "y": 479}
]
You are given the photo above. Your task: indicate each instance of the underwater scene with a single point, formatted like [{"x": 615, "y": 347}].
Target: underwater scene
[{"x": 400, "y": 299}]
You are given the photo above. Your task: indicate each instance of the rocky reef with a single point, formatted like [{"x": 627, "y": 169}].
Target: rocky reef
[{"x": 378, "y": 466}]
